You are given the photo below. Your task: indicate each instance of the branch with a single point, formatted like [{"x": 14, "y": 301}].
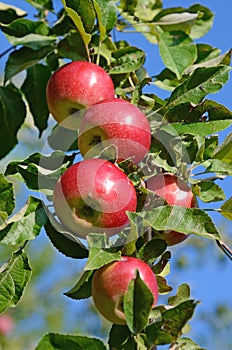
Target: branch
[{"x": 225, "y": 249}]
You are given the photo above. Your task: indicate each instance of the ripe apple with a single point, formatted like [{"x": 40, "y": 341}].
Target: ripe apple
[
  {"x": 175, "y": 191},
  {"x": 77, "y": 85},
  {"x": 111, "y": 281},
  {"x": 93, "y": 196},
  {"x": 6, "y": 324},
  {"x": 115, "y": 122}
]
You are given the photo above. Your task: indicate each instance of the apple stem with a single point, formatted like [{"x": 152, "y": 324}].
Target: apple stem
[{"x": 98, "y": 53}]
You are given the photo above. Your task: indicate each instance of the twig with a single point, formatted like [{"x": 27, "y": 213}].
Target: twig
[
  {"x": 6, "y": 51},
  {"x": 225, "y": 249}
]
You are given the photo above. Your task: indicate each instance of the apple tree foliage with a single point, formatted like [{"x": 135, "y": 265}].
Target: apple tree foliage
[{"x": 185, "y": 143}]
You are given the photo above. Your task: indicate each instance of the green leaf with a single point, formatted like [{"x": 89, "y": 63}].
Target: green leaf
[
  {"x": 226, "y": 209},
  {"x": 34, "y": 88},
  {"x": 137, "y": 304},
  {"x": 9, "y": 13},
  {"x": 25, "y": 225},
  {"x": 180, "y": 219},
  {"x": 72, "y": 47},
  {"x": 163, "y": 287},
  {"x": 169, "y": 328},
  {"x": 33, "y": 41},
  {"x": 41, "y": 4},
  {"x": 22, "y": 27},
  {"x": 24, "y": 58},
  {"x": 7, "y": 200},
  {"x": 10, "y": 101},
  {"x": 65, "y": 245},
  {"x": 203, "y": 81},
  {"x": 126, "y": 60},
  {"x": 208, "y": 191},
  {"x": 99, "y": 252},
  {"x": 85, "y": 10},
  {"x": 121, "y": 338},
  {"x": 108, "y": 13},
  {"x": 208, "y": 117},
  {"x": 152, "y": 250},
  {"x": 14, "y": 276},
  {"x": 147, "y": 9},
  {"x": 177, "y": 51},
  {"x": 83, "y": 288},
  {"x": 176, "y": 21},
  {"x": 224, "y": 151},
  {"x": 204, "y": 20},
  {"x": 217, "y": 166},
  {"x": 77, "y": 20},
  {"x": 187, "y": 344},
  {"x": 183, "y": 294},
  {"x": 211, "y": 62},
  {"x": 54, "y": 341}
]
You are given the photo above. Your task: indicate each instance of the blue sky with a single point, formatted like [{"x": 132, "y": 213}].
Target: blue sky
[{"x": 210, "y": 282}]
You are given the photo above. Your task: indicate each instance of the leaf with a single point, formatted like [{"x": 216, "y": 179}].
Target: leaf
[
  {"x": 183, "y": 294},
  {"x": 121, "y": 338},
  {"x": 147, "y": 9},
  {"x": 152, "y": 250},
  {"x": 65, "y": 245},
  {"x": 108, "y": 13},
  {"x": 83, "y": 288},
  {"x": 226, "y": 209},
  {"x": 22, "y": 27},
  {"x": 72, "y": 47},
  {"x": 223, "y": 59},
  {"x": 208, "y": 191},
  {"x": 99, "y": 252},
  {"x": 208, "y": 117},
  {"x": 176, "y": 21},
  {"x": 217, "y": 166},
  {"x": 25, "y": 225},
  {"x": 224, "y": 151},
  {"x": 169, "y": 328},
  {"x": 204, "y": 20},
  {"x": 77, "y": 20},
  {"x": 126, "y": 60},
  {"x": 7, "y": 200},
  {"x": 14, "y": 276},
  {"x": 187, "y": 344},
  {"x": 34, "y": 88},
  {"x": 85, "y": 10},
  {"x": 9, "y": 13},
  {"x": 54, "y": 341},
  {"x": 163, "y": 287},
  {"x": 180, "y": 219},
  {"x": 33, "y": 41},
  {"x": 24, "y": 58},
  {"x": 137, "y": 303},
  {"x": 41, "y": 4},
  {"x": 177, "y": 51},
  {"x": 10, "y": 101},
  {"x": 203, "y": 81}
]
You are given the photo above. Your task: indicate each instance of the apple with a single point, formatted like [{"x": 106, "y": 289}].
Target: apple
[
  {"x": 6, "y": 324},
  {"x": 175, "y": 191},
  {"x": 77, "y": 85},
  {"x": 110, "y": 283},
  {"x": 93, "y": 196},
  {"x": 115, "y": 122}
]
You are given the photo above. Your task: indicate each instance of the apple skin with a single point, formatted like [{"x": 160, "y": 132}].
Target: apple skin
[
  {"x": 6, "y": 324},
  {"x": 93, "y": 196},
  {"x": 111, "y": 281},
  {"x": 115, "y": 122},
  {"x": 175, "y": 191},
  {"x": 77, "y": 85}
]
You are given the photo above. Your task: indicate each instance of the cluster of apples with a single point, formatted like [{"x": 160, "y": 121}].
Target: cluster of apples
[{"x": 94, "y": 194}]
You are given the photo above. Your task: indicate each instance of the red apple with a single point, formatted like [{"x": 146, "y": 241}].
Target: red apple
[
  {"x": 77, "y": 85},
  {"x": 115, "y": 122},
  {"x": 111, "y": 281},
  {"x": 93, "y": 196},
  {"x": 6, "y": 324},
  {"x": 175, "y": 191}
]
